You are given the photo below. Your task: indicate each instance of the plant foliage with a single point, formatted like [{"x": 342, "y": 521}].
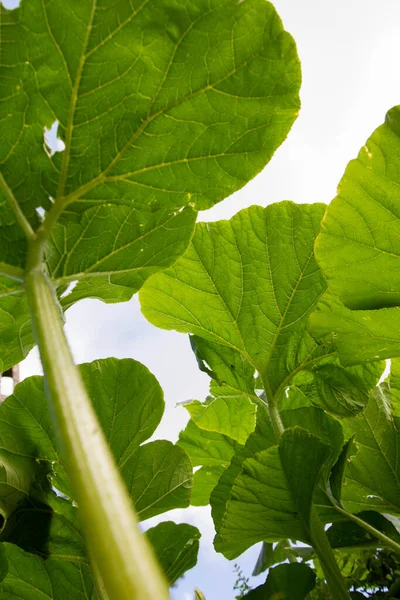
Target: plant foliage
[{"x": 162, "y": 109}]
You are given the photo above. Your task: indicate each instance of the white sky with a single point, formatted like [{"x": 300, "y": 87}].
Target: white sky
[{"x": 350, "y": 52}]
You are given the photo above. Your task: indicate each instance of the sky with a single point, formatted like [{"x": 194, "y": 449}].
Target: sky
[{"x": 350, "y": 52}]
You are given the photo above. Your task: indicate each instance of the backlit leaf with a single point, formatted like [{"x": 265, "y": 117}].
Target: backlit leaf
[
  {"x": 176, "y": 547},
  {"x": 250, "y": 284}
]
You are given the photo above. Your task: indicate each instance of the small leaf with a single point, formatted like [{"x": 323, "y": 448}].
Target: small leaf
[
  {"x": 272, "y": 554},
  {"x": 286, "y": 582},
  {"x": 204, "y": 481},
  {"x": 234, "y": 417},
  {"x": 176, "y": 547},
  {"x": 341, "y": 391},
  {"x": 337, "y": 474},
  {"x": 159, "y": 478},
  {"x": 206, "y": 447}
]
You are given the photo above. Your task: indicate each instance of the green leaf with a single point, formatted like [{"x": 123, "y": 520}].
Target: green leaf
[
  {"x": 159, "y": 478},
  {"x": 120, "y": 245},
  {"x": 341, "y": 391},
  {"x": 16, "y": 337},
  {"x": 250, "y": 284},
  {"x": 272, "y": 554},
  {"x": 128, "y": 400},
  {"x": 286, "y": 582},
  {"x": 234, "y": 417},
  {"x": 358, "y": 335},
  {"x": 231, "y": 373},
  {"x": 235, "y": 506},
  {"x": 337, "y": 474},
  {"x": 347, "y": 534},
  {"x": 302, "y": 456},
  {"x": 31, "y": 578},
  {"x": 207, "y": 447},
  {"x": 51, "y": 530},
  {"x": 206, "y": 89},
  {"x": 371, "y": 478},
  {"x": 270, "y": 500},
  {"x": 358, "y": 248},
  {"x": 176, "y": 547},
  {"x": 129, "y": 404},
  {"x": 204, "y": 481}
]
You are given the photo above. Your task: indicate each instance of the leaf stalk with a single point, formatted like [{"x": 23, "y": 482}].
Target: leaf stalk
[{"x": 15, "y": 207}]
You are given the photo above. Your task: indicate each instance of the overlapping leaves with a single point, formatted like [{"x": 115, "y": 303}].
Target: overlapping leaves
[
  {"x": 129, "y": 404},
  {"x": 160, "y": 106}
]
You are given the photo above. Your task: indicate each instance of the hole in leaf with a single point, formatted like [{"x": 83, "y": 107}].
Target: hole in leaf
[
  {"x": 386, "y": 372},
  {"x": 52, "y": 143},
  {"x": 40, "y": 211},
  {"x": 69, "y": 288}
]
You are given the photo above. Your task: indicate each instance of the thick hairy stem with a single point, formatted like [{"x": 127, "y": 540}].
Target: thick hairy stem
[
  {"x": 122, "y": 554},
  {"x": 323, "y": 549}
]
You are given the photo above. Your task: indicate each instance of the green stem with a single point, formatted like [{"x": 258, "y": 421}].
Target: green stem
[
  {"x": 273, "y": 410},
  {"x": 319, "y": 541},
  {"x": 12, "y": 272},
  {"x": 323, "y": 549},
  {"x": 15, "y": 207},
  {"x": 121, "y": 553},
  {"x": 386, "y": 541}
]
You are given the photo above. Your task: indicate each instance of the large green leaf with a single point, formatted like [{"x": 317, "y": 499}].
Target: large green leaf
[
  {"x": 209, "y": 88},
  {"x": 161, "y": 107},
  {"x": 176, "y": 547},
  {"x": 358, "y": 248},
  {"x": 372, "y": 477},
  {"x": 129, "y": 404},
  {"x": 285, "y": 582},
  {"x": 250, "y": 284},
  {"x": 31, "y": 578}
]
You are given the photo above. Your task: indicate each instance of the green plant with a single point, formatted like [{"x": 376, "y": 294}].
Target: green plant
[{"x": 165, "y": 108}]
